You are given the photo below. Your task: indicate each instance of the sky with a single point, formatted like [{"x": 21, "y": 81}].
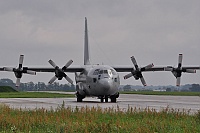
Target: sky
[{"x": 154, "y": 31}]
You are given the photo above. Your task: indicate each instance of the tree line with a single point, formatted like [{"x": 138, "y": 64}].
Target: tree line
[
  {"x": 40, "y": 86},
  {"x": 184, "y": 88}
]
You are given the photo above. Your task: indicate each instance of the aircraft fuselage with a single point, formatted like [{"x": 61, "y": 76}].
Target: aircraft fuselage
[{"x": 98, "y": 80}]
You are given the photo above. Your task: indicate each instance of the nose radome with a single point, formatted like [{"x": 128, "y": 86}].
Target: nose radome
[{"x": 106, "y": 84}]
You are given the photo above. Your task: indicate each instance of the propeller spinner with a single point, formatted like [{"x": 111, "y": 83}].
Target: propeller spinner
[
  {"x": 177, "y": 71},
  {"x": 19, "y": 71},
  {"x": 137, "y": 72},
  {"x": 59, "y": 73}
]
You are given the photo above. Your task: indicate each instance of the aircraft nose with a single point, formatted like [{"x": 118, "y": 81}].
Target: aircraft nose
[{"x": 106, "y": 84}]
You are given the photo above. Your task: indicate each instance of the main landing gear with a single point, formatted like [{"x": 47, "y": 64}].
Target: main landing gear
[
  {"x": 103, "y": 97},
  {"x": 112, "y": 98},
  {"x": 79, "y": 97}
]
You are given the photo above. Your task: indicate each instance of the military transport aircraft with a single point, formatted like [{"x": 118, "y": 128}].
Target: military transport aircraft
[{"x": 101, "y": 81}]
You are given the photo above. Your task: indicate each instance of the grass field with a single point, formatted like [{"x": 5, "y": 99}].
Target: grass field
[
  {"x": 97, "y": 120},
  {"x": 162, "y": 93},
  {"x": 33, "y": 95}
]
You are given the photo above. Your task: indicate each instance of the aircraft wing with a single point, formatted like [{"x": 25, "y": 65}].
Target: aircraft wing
[
  {"x": 130, "y": 68},
  {"x": 137, "y": 72},
  {"x": 191, "y": 68},
  {"x": 160, "y": 68},
  {"x": 69, "y": 69},
  {"x": 59, "y": 72}
]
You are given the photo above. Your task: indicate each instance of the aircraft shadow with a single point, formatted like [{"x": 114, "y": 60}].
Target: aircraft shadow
[{"x": 92, "y": 102}]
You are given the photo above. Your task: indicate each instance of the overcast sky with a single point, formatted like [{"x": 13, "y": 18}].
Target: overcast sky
[{"x": 154, "y": 31}]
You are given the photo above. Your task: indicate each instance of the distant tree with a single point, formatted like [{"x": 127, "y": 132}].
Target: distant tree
[
  {"x": 7, "y": 82},
  {"x": 30, "y": 86},
  {"x": 195, "y": 88},
  {"x": 168, "y": 89},
  {"x": 127, "y": 88}
]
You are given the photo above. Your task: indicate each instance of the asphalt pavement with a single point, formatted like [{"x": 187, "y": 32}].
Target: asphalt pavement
[{"x": 125, "y": 101}]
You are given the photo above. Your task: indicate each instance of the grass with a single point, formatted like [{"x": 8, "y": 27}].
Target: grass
[
  {"x": 33, "y": 95},
  {"x": 162, "y": 93},
  {"x": 96, "y": 119}
]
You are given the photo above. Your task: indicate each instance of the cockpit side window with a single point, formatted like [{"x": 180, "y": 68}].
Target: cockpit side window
[
  {"x": 113, "y": 72},
  {"x": 110, "y": 73},
  {"x": 96, "y": 72}
]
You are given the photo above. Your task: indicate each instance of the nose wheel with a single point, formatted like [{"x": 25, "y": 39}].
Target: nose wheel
[{"x": 106, "y": 99}]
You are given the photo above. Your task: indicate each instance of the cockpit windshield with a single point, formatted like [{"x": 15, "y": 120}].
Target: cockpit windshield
[
  {"x": 108, "y": 72},
  {"x": 96, "y": 72},
  {"x": 103, "y": 72}
]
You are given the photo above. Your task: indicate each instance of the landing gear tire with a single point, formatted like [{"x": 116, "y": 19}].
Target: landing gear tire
[
  {"x": 79, "y": 99},
  {"x": 102, "y": 99},
  {"x": 113, "y": 99},
  {"x": 106, "y": 99}
]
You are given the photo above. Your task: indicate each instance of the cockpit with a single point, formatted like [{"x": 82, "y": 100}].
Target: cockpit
[{"x": 105, "y": 72}]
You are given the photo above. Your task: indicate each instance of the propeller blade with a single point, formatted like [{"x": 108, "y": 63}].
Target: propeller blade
[
  {"x": 190, "y": 71},
  {"x": 180, "y": 58},
  {"x": 31, "y": 72},
  {"x": 52, "y": 63},
  {"x": 21, "y": 59},
  {"x": 149, "y": 66},
  {"x": 178, "y": 81},
  {"x": 17, "y": 82},
  {"x": 52, "y": 80},
  {"x": 68, "y": 79},
  {"x": 10, "y": 69},
  {"x": 128, "y": 76},
  {"x": 134, "y": 60},
  {"x": 68, "y": 64},
  {"x": 143, "y": 81}
]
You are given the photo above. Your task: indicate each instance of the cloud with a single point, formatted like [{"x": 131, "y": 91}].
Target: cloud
[{"x": 153, "y": 31}]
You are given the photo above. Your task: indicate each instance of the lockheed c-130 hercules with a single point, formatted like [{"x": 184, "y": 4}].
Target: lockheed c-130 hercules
[{"x": 101, "y": 81}]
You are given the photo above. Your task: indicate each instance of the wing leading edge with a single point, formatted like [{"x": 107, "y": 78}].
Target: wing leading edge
[
  {"x": 130, "y": 68},
  {"x": 69, "y": 69}
]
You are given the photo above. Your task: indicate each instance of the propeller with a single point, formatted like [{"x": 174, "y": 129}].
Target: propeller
[
  {"x": 19, "y": 71},
  {"x": 137, "y": 72},
  {"x": 177, "y": 71},
  {"x": 59, "y": 73}
]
